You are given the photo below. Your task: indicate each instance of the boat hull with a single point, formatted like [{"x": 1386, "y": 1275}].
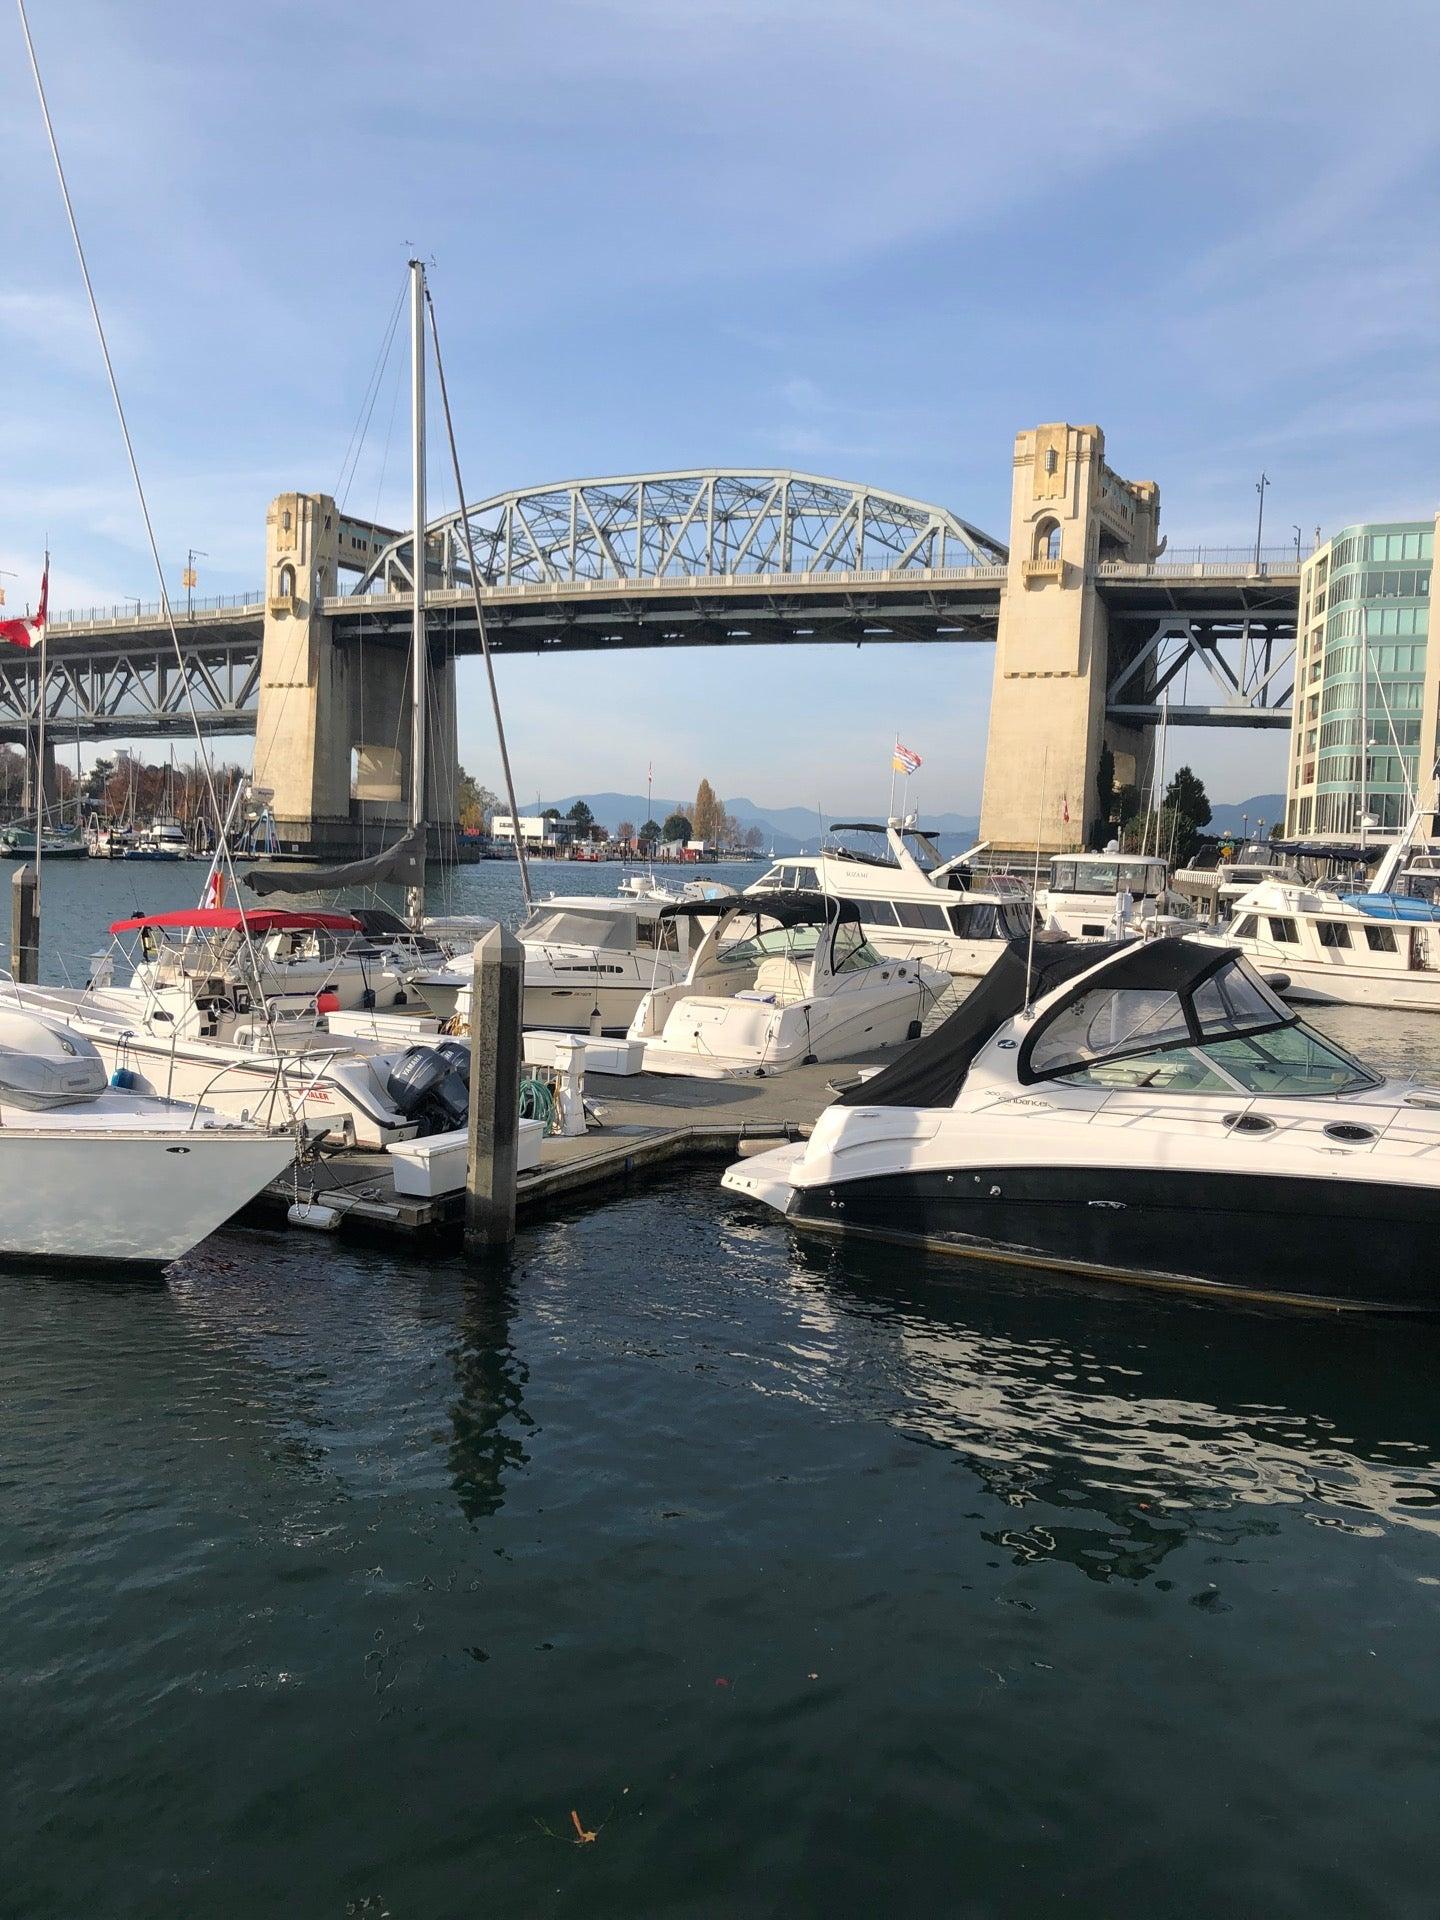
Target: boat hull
[
  {"x": 145, "y": 1199},
  {"x": 1352, "y": 1245}
]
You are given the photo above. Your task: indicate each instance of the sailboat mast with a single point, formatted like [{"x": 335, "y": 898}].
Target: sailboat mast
[{"x": 419, "y": 651}]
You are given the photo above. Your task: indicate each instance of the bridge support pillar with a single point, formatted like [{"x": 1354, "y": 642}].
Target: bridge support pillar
[
  {"x": 332, "y": 731},
  {"x": 1068, "y": 513}
]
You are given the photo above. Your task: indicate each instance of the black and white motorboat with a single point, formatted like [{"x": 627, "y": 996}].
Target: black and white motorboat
[{"x": 1148, "y": 1111}]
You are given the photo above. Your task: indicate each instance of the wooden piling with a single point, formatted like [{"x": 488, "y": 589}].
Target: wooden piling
[
  {"x": 495, "y": 1054},
  {"x": 25, "y": 925}
]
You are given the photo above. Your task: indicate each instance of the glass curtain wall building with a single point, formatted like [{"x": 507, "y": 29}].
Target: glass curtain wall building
[{"x": 1364, "y": 724}]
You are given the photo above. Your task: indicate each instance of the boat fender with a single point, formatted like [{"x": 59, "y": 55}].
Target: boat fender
[
  {"x": 367, "y": 999},
  {"x": 309, "y": 1213},
  {"x": 125, "y": 1080},
  {"x": 912, "y": 1032}
]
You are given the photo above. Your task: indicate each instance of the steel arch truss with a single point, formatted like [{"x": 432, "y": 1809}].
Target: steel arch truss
[
  {"x": 686, "y": 526},
  {"x": 134, "y": 692},
  {"x": 1245, "y": 671}
]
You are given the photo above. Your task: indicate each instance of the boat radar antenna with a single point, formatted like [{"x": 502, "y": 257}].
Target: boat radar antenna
[{"x": 1035, "y": 883}]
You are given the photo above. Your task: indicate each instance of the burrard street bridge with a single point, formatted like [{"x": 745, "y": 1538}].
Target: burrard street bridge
[{"x": 1097, "y": 626}]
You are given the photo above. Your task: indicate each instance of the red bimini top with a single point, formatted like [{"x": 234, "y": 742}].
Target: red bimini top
[{"x": 234, "y": 919}]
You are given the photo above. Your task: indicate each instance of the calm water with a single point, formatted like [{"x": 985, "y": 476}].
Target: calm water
[{"x": 813, "y": 1580}]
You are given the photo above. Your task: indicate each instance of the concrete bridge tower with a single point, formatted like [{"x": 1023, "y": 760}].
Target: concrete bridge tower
[
  {"x": 332, "y": 734},
  {"x": 1068, "y": 513}
]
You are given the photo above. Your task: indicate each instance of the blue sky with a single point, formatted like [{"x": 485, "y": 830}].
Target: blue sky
[{"x": 860, "y": 239}]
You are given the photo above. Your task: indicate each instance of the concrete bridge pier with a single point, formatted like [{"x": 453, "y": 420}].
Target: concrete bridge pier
[
  {"x": 1069, "y": 512},
  {"x": 333, "y": 730}
]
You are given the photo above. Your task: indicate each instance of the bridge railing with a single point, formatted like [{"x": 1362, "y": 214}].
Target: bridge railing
[
  {"x": 688, "y": 583},
  {"x": 1281, "y": 566},
  {"x": 150, "y": 613}
]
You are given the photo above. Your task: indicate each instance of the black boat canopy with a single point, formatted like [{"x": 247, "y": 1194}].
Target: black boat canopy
[
  {"x": 788, "y": 908},
  {"x": 933, "y": 1071}
]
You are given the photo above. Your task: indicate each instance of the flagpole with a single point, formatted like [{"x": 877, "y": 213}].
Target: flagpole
[{"x": 894, "y": 753}]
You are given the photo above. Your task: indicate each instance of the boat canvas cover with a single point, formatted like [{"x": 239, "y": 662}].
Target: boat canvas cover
[
  {"x": 233, "y": 919},
  {"x": 794, "y": 908},
  {"x": 1392, "y": 906},
  {"x": 404, "y": 863},
  {"x": 934, "y": 1069}
]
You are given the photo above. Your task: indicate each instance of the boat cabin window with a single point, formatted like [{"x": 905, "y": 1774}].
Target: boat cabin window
[
  {"x": 657, "y": 935},
  {"x": 1333, "y": 933},
  {"x": 1244, "y": 929},
  {"x": 877, "y": 913},
  {"x": 1380, "y": 939},
  {"x": 1283, "y": 931},
  {"x": 853, "y": 952},
  {"x": 920, "y": 913},
  {"x": 1228, "y": 1034},
  {"x": 805, "y": 877},
  {"x": 1139, "y": 877}
]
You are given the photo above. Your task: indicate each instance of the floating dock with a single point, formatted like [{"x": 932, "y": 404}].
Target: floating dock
[{"x": 649, "y": 1120}]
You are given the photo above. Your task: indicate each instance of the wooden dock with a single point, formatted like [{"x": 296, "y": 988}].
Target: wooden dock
[{"x": 646, "y": 1121}]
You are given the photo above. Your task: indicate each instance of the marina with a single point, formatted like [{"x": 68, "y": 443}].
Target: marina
[{"x": 717, "y": 1196}]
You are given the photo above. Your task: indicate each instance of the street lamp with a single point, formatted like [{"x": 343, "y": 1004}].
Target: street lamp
[
  {"x": 132, "y": 600},
  {"x": 1260, "y": 485},
  {"x": 192, "y": 555},
  {"x": 1298, "y": 537}
]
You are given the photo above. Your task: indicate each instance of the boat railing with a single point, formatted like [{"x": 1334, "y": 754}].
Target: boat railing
[{"x": 279, "y": 1085}]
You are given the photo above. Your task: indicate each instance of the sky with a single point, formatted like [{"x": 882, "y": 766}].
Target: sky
[{"x": 859, "y": 239}]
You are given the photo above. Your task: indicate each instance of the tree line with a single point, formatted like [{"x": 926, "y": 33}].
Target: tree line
[{"x": 707, "y": 820}]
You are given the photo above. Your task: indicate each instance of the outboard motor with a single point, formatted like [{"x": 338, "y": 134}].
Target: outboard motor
[{"x": 431, "y": 1086}]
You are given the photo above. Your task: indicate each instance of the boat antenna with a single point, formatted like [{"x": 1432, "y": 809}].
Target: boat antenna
[
  {"x": 1035, "y": 883},
  {"x": 480, "y": 612}
]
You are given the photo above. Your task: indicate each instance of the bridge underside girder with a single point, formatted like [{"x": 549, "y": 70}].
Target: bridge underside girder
[
  {"x": 646, "y": 620},
  {"x": 137, "y": 692},
  {"x": 1205, "y": 667}
]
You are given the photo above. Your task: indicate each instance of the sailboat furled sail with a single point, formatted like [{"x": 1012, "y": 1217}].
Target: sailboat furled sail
[{"x": 403, "y": 863}]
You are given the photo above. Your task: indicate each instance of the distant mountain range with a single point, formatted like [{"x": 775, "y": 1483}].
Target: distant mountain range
[
  {"x": 1232, "y": 816},
  {"x": 789, "y": 829}
]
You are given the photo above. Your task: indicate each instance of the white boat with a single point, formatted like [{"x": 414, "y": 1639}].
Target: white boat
[
  {"x": 1143, "y": 1110},
  {"x": 780, "y": 979},
  {"x": 95, "y": 1174},
  {"x": 912, "y": 905},
  {"x": 1379, "y": 948},
  {"x": 1109, "y": 896},
  {"x": 589, "y": 961},
  {"x": 161, "y": 840}
]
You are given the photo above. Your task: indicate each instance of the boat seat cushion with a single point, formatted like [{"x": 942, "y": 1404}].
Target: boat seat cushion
[{"x": 785, "y": 980}]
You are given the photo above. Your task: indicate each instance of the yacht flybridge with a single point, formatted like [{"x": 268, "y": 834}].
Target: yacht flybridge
[
  {"x": 780, "y": 979},
  {"x": 911, "y": 904},
  {"x": 1140, "y": 1110},
  {"x": 97, "y": 1174},
  {"x": 1109, "y": 896}
]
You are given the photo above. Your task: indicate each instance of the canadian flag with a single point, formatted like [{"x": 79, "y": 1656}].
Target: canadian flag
[
  {"x": 27, "y": 632},
  {"x": 214, "y": 894}
]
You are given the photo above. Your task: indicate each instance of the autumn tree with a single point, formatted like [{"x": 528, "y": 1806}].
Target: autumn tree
[
  {"x": 474, "y": 803},
  {"x": 625, "y": 832},
  {"x": 708, "y": 815}
]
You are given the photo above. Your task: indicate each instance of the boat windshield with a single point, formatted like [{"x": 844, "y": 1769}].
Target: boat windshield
[
  {"x": 1230, "y": 1034},
  {"x": 790, "y": 943},
  {"x": 1139, "y": 877}
]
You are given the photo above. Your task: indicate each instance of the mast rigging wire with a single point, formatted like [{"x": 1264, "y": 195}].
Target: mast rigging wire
[
  {"x": 418, "y": 561},
  {"x": 165, "y": 607}
]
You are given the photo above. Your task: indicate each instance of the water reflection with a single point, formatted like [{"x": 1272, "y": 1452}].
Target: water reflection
[
  {"x": 488, "y": 1418},
  {"x": 1121, "y": 1426}
]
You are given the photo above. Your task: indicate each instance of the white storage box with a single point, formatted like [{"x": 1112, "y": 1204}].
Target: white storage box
[
  {"x": 596, "y": 1053},
  {"x": 390, "y": 1029},
  {"x": 426, "y": 1169}
]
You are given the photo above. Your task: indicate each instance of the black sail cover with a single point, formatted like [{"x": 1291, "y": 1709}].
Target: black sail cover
[{"x": 404, "y": 863}]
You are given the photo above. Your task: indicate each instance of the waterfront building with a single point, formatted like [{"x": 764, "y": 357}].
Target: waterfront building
[
  {"x": 540, "y": 832},
  {"x": 1367, "y": 682}
]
